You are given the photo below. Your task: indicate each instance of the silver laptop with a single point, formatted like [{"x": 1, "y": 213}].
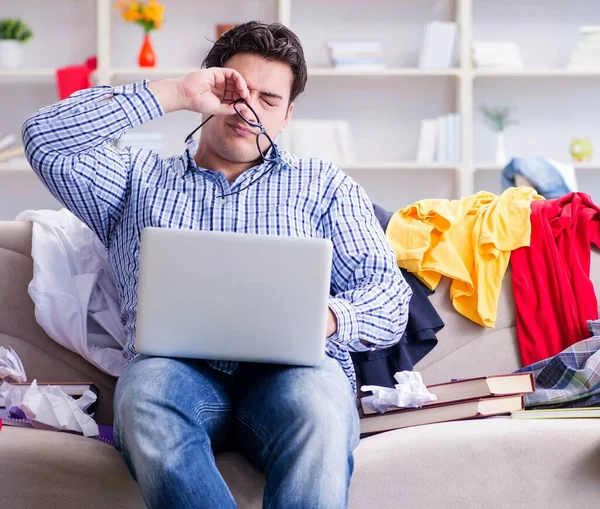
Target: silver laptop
[{"x": 233, "y": 296}]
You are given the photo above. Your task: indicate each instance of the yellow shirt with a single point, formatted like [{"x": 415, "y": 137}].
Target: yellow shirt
[{"x": 467, "y": 240}]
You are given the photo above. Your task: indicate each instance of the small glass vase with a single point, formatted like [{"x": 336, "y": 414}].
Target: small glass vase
[
  {"x": 500, "y": 153},
  {"x": 147, "y": 56}
]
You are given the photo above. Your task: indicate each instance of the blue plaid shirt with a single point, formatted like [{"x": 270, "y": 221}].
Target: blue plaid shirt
[
  {"x": 118, "y": 192},
  {"x": 571, "y": 378}
]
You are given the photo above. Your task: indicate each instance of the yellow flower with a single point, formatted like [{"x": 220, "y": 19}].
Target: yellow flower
[
  {"x": 148, "y": 13},
  {"x": 153, "y": 12}
]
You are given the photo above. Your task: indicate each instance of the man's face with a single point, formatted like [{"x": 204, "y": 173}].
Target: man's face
[{"x": 269, "y": 83}]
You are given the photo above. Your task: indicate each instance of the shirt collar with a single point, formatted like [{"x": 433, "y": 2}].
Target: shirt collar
[{"x": 284, "y": 159}]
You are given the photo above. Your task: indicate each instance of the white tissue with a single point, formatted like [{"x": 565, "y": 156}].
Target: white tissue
[
  {"x": 11, "y": 368},
  {"x": 49, "y": 407},
  {"x": 409, "y": 392}
]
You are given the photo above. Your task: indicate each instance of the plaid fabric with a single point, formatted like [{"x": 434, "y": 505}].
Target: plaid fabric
[
  {"x": 119, "y": 192},
  {"x": 570, "y": 378}
]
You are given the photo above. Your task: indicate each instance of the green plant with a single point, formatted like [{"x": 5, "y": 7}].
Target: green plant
[
  {"x": 498, "y": 118},
  {"x": 14, "y": 30}
]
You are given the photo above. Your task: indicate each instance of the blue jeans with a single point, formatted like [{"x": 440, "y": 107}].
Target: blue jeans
[{"x": 297, "y": 424}]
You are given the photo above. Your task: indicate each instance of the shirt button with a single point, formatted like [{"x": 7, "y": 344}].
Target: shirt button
[{"x": 223, "y": 201}]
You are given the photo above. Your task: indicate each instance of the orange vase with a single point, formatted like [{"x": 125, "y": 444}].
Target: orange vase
[{"x": 147, "y": 57}]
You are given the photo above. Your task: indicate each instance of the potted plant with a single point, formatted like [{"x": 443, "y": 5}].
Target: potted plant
[
  {"x": 149, "y": 15},
  {"x": 499, "y": 119},
  {"x": 13, "y": 33}
]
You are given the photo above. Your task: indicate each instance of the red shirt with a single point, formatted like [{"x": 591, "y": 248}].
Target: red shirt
[{"x": 554, "y": 295}]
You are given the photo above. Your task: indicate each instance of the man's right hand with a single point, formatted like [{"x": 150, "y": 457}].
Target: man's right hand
[{"x": 208, "y": 91}]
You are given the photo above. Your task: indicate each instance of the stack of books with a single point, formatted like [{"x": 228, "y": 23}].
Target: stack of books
[
  {"x": 439, "y": 140},
  {"x": 456, "y": 400},
  {"x": 497, "y": 55},
  {"x": 587, "y": 54},
  {"x": 439, "y": 46},
  {"x": 357, "y": 55}
]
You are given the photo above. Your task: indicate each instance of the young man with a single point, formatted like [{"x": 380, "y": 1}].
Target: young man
[{"x": 299, "y": 425}]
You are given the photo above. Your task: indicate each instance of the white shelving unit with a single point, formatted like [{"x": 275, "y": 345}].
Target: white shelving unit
[
  {"x": 435, "y": 91},
  {"x": 578, "y": 167},
  {"x": 23, "y": 74}
]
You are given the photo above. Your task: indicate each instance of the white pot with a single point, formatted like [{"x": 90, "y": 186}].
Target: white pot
[{"x": 10, "y": 53}]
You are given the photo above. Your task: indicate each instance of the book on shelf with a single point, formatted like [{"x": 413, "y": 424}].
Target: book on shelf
[
  {"x": 558, "y": 413},
  {"x": 356, "y": 55},
  {"x": 73, "y": 389},
  {"x": 475, "y": 388},
  {"x": 499, "y": 55},
  {"x": 330, "y": 140},
  {"x": 438, "y": 45},
  {"x": 587, "y": 53},
  {"x": 440, "y": 140},
  {"x": 439, "y": 412}
]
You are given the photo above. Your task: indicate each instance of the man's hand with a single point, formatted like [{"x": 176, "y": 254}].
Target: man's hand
[
  {"x": 208, "y": 91},
  {"x": 331, "y": 323}
]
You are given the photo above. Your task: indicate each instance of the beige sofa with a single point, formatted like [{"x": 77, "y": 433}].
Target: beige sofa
[{"x": 493, "y": 463}]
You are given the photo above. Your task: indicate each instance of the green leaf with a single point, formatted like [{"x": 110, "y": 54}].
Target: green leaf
[{"x": 14, "y": 29}]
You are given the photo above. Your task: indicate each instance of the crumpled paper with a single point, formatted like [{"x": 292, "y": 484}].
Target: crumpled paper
[
  {"x": 11, "y": 367},
  {"x": 49, "y": 407},
  {"x": 409, "y": 392}
]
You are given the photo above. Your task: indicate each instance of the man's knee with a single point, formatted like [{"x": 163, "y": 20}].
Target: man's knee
[{"x": 322, "y": 404}]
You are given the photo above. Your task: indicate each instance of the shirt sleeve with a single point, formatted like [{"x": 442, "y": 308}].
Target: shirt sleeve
[
  {"x": 69, "y": 146},
  {"x": 370, "y": 296}
]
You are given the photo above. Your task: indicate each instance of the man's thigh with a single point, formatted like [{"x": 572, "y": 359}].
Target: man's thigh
[
  {"x": 165, "y": 397},
  {"x": 271, "y": 399}
]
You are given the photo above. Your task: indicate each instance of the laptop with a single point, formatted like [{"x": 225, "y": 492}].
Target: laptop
[{"x": 233, "y": 296}]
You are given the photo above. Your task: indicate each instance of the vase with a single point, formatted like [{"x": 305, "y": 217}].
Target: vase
[
  {"x": 147, "y": 56},
  {"x": 500, "y": 154},
  {"x": 10, "y": 53}
]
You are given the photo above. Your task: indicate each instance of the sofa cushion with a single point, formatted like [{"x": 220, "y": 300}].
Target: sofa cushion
[
  {"x": 496, "y": 462},
  {"x": 64, "y": 471}
]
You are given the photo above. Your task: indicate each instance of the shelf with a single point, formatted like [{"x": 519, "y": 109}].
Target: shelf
[
  {"x": 397, "y": 165},
  {"x": 535, "y": 73},
  {"x": 150, "y": 72},
  {"x": 403, "y": 71},
  {"x": 499, "y": 167},
  {"x": 27, "y": 73},
  {"x": 166, "y": 72},
  {"x": 18, "y": 166}
]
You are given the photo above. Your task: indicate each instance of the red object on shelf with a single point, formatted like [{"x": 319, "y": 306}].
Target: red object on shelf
[
  {"x": 147, "y": 56},
  {"x": 75, "y": 77}
]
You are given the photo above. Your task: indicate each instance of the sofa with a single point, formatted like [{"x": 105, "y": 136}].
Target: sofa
[{"x": 489, "y": 463}]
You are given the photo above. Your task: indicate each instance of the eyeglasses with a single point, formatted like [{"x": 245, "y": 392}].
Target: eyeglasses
[{"x": 271, "y": 154}]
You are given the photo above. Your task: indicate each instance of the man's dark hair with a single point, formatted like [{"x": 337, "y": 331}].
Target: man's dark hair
[{"x": 272, "y": 41}]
